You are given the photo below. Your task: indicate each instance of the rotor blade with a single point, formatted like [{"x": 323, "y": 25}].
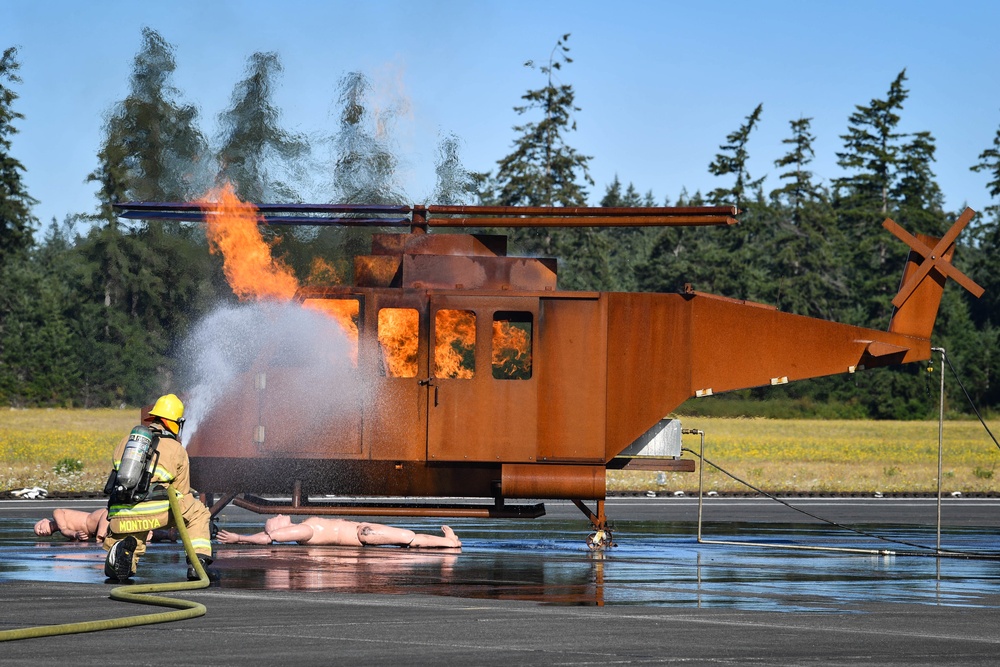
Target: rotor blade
[
  {"x": 447, "y": 216},
  {"x": 322, "y": 221}
]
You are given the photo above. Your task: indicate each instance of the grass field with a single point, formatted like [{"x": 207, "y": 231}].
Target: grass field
[
  {"x": 70, "y": 450},
  {"x": 60, "y": 450},
  {"x": 832, "y": 456}
]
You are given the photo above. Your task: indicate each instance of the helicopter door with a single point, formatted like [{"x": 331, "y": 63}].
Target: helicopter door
[
  {"x": 482, "y": 393},
  {"x": 309, "y": 393},
  {"x": 395, "y": 412}
]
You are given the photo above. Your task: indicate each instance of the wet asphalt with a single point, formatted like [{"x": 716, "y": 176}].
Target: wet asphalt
[{"x": 529, "y": 592}]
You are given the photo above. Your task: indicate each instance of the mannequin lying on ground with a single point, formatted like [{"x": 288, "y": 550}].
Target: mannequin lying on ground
[
  {"x": 317, "y": 531},
  {"x": 81, "y": 526},
  {"x": 75, "y": 525}
]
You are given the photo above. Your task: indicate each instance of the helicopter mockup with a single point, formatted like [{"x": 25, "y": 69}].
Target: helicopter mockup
[{"x": 494, "y": 384}]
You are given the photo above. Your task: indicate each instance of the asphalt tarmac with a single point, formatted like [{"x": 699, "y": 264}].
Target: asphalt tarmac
[{"x": 529, "y": 591}]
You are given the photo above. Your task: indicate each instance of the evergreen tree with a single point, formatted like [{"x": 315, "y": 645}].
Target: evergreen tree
[
  {"x": 873, "y": 260},
  {"x": 261, "y": 160},
  {"x": 733, "y": 161},
  {"x": 455, "y": 185},
  {"x": 16, "y": 220},
  {"x": 39, "y": 341},
  {"x": 918, "y": 200},
  {"x": 364, "y": 170},
  {"x": 984, "y": 268},
  {"x": 628, "y": 247},
  {"x": 142, "y": 283},
  {"x": 871, "y": 149},
  {"x": 985, "y": 264},
  {"x": 807, "y": 278},
  {"x": 153, "y": 149},
  {"x": 543, "y": 170},
  {"x": 989, "y": 162},
  {"x": 700, "y": 251},
  {"x": 799, "y": 188}
]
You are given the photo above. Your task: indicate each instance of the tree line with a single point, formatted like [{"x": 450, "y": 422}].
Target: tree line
[{"x": 94, "y": 309}]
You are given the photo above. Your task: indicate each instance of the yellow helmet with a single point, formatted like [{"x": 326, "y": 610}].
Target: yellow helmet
[{"x": 170, "y": 409}]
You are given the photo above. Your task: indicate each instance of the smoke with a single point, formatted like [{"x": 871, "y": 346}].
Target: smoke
[{"x": 232, "y": 342}]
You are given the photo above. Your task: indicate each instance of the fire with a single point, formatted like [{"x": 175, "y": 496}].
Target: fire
[
  {"x": 399, "y": 338},
  {"x": 253, "y": 273},
  {"x": 322, "y": 272},
  {"x": 511, "y": 350},
  {"x": 231, "y": 230},
  {"x": 344, "y": 312},
  {"x": 454, "y": 351}
]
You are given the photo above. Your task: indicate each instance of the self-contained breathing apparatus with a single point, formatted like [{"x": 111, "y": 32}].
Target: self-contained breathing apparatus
[{"x": 129, "y": 483}]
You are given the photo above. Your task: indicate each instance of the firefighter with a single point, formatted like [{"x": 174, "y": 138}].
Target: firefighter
[{"x": 144, "y": 463}]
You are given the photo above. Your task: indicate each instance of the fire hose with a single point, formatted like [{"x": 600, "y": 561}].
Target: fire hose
[{"x": 184, "y": 608}]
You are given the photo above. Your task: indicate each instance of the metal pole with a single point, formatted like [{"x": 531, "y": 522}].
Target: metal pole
[
  {"x": 701, "y": 472},
  {"x": 940, "y": 467}
]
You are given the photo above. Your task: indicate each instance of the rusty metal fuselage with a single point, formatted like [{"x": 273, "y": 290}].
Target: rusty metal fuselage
[
  {"x": 475, "y": 376},
  {"x": 600, "y": 371}
]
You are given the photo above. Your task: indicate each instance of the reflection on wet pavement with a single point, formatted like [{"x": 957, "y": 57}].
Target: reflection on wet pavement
[{"x": 656, "y": 563}]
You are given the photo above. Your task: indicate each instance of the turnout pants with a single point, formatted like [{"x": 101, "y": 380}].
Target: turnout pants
[{"x": 141, "y": 519}]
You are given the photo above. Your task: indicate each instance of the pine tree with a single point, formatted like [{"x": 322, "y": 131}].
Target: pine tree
[
  {"x": 364, "y": 170},
  {"x": 803, "y": 250},
  {"x": 736, "y": 249},
  {"x": 989, "y": 162},
  {"x": 872, "y": 259},
  {"x": 919, "y": 202},
  {"x": 985, "y": 260},
  {"x": 455, "y": 185},
  {"x": 871, "y": 148},
  {"x": 627, "y": 247},
  {"x": 799, "y": 188},
  {"x": 733, "y": 161},
  {"x": 16, "y": 220},
  {"x": 142, "y": 282},
  {"x": 261, "y": 160},
  {"x": 153, "y": 149},
  {"x": 543, "y": 170}
]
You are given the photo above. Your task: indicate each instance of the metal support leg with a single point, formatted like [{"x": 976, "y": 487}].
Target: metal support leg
[{"x": 601, "y": 538}]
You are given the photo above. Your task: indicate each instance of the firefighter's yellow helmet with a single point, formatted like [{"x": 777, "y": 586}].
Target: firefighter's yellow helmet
[{"x": 170, "y": 409}]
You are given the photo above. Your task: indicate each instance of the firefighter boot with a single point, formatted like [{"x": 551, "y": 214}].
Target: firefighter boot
[
  {"x": 118, "y": 564},
  {"x": 192, "y": 574}
]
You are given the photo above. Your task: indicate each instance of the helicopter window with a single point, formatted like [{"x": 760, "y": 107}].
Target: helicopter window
[
  {"x": 454, "y": 344},
  {"x": 511, "y": 345},
  {"x": 346, "y": 313},
  {"x": 398, "y": 338}
]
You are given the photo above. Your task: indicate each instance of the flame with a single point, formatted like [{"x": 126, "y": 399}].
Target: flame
[
  {"x": 344, "y": 312},
  {"x": 232, "y": 231},
  {"x": 322, "y": 272},
  {"x": 511, "y": 350},
  {"x": 399, "y": 337},
  {"x": 250, "y": 270},
  {"x": 253, "y": 273},
  {"x": 454, "y": 350}
]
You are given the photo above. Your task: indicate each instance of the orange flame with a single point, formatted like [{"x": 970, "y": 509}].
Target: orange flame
[
  {"x": 511, "y": 350},
  {"x": 231, "y": 230},
  {"x": 344, "y": 312},
  {"x": 251, "y": 271},
  {"x": 455, "y": 345},
  {"x": 399, "y": 337}
]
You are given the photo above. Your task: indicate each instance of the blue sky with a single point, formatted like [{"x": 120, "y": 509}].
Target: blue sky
[{"x": 660, "y": 84}]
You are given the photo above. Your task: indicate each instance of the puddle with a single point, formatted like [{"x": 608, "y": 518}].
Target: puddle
[{"x": 546, "y": 561}]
